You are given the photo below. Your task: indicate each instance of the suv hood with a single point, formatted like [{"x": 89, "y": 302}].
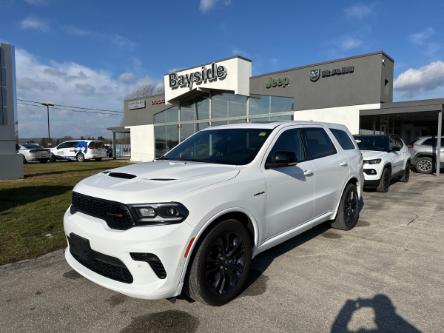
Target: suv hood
[
  {"x": 158, "y": 181},
  {"x": 372, "y": 154}
]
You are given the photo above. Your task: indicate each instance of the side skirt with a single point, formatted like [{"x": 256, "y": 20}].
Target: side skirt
[{"x": 291, "y": 233}]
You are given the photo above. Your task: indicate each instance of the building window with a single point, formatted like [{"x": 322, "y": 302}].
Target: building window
[
  {"x": 3, "y": 94},
  {"x": 203, "y": 108},
  {"x": 281, "y": 104},
  {"x": 259, "y": 105},
  {"x": 177, "y": 123}
]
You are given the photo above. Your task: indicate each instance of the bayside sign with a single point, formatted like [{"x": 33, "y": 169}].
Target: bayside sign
[{"x": 207, "y": 74}]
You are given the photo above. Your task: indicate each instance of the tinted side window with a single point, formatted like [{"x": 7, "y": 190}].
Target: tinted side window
[
  {"x": 343, "y": 139},
  {"x": 63, "y": 145},
  {"x": 430, "y": 142},
  {"x": 318, "y": 144},
  {"x": 291, "y": 141}
]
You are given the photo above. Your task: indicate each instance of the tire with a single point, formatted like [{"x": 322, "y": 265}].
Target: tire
[
  {"x": 348, "y": 211},
  {"x": 424, "y": 165},
  {"x": 384, "y": 182},
  {"x": 218, "y": 275},
  {"x": 80, "y": 157},
  {"x": 406, "y": 174},
  {"x": 53, "y": 158}
]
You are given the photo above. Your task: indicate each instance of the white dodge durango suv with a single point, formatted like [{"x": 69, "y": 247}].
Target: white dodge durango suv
[
  {"x": 190, "y": 222},
  {"x": 385, "y": 158}
]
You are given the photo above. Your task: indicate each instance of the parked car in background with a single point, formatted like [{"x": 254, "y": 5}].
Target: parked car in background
[
  {"x": 385, "y": 158},
  {"x": 79, "y": 150},
  {"x": 424, "y": 154},
  {"x": 192, "y": 221},
  {"x": 32, "y": 152}
]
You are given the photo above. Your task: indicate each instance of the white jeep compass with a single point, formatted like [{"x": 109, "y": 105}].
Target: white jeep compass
[
  {"x": 191, "y": 222},
  {"x": 385, "y": 158}
]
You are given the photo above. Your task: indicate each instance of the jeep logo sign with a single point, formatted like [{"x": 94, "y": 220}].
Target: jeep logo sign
[
  {"x": 213, "y": 73},
  {"x": 277, "y": 82}
]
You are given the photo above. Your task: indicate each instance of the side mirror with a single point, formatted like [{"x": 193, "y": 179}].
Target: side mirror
[{"x": 281, "y": 159}]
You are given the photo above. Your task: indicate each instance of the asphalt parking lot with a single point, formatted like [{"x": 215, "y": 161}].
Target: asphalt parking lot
[{"x": 383, "y": 276}]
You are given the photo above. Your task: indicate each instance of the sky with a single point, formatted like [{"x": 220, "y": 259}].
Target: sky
[{"x": 94, "y": 53}]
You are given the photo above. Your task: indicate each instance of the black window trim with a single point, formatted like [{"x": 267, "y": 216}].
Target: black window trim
[
  {"x": 306, "y": 144},
  {"x": 352, "y": 140},
  {"x": 276, "y": 138}
]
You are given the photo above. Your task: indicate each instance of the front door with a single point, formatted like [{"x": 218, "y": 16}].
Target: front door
[
  {"x": 398, "y": 154},
  {"x": 290, "y": 189}
]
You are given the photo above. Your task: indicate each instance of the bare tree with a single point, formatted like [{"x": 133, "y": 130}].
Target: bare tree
[{"x": 145, "y": 90}]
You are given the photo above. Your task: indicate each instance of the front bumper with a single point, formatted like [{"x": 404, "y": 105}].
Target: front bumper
[
  {"x": 167, "y": 242},
  {"x": 372, "y": 174}
]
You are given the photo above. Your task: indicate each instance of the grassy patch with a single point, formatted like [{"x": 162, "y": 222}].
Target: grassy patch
[{"x": 31, "y": 209}]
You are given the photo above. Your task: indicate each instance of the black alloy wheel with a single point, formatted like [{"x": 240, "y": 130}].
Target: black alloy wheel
[
  {"x": 348, "y": 211},
  {"x": 221, "y": 264},
  {"x": 384, "y": 182},
  {"x": 406, "y": 174},
  {"x": 224, "y": 263},
  {"x": 351, "y": 208}
]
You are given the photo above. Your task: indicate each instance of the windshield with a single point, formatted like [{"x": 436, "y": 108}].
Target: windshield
[
  {"x": 224, "y": 146},
  {"x": 373, "y": 142},
  {"x": 31, "y": 145}
]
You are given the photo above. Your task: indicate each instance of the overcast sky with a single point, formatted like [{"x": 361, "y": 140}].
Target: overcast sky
[{"x": 92, "y": 53}]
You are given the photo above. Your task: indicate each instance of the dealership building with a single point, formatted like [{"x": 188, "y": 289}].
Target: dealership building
[{"x": 356, "y": 91}]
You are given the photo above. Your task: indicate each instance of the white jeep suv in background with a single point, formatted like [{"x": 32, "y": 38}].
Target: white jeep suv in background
[
  {"x": 385, "y": 158},
  {"x": 190, "y": 222}
]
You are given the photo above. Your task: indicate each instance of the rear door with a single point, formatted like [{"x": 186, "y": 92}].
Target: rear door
[
  {"x": 330, "y": 168},
  {"x": 289, "y": 190}
]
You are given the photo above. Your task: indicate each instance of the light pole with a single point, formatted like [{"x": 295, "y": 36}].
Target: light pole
[{"x": 48, "y": 104}]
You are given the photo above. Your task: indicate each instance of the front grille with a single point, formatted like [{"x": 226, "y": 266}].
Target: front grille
[
  {"x": 100, "y": 263},
  {"x": 116, "y": 214}
]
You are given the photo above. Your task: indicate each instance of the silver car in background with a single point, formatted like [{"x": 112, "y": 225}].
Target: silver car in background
[
  {"x": 424, "y": 153},
  {"x": 32, "y": 152}
]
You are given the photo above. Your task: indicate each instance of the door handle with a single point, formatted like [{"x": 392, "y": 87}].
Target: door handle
[
  {"x": 343, "y": 164},
  {"x": 308, "y": 172}
]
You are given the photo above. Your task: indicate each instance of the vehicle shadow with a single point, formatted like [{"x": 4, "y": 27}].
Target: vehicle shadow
[
  {"x": 13, "y": 197},
  {"x": 385, "y": 317},
  {"x": 262, "y": 261}
]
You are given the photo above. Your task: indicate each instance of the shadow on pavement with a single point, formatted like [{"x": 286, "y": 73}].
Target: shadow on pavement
[
  {"x": 263, "y": 260},
  {"x": 386, "y": 319}
]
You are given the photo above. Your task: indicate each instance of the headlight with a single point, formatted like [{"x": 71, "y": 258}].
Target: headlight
[
  {"x": 159, "y": 213},
  {"x": 375, "y": 161}
]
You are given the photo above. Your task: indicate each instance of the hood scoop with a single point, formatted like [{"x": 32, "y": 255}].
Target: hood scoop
[{"x": 121, "y": 175}]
